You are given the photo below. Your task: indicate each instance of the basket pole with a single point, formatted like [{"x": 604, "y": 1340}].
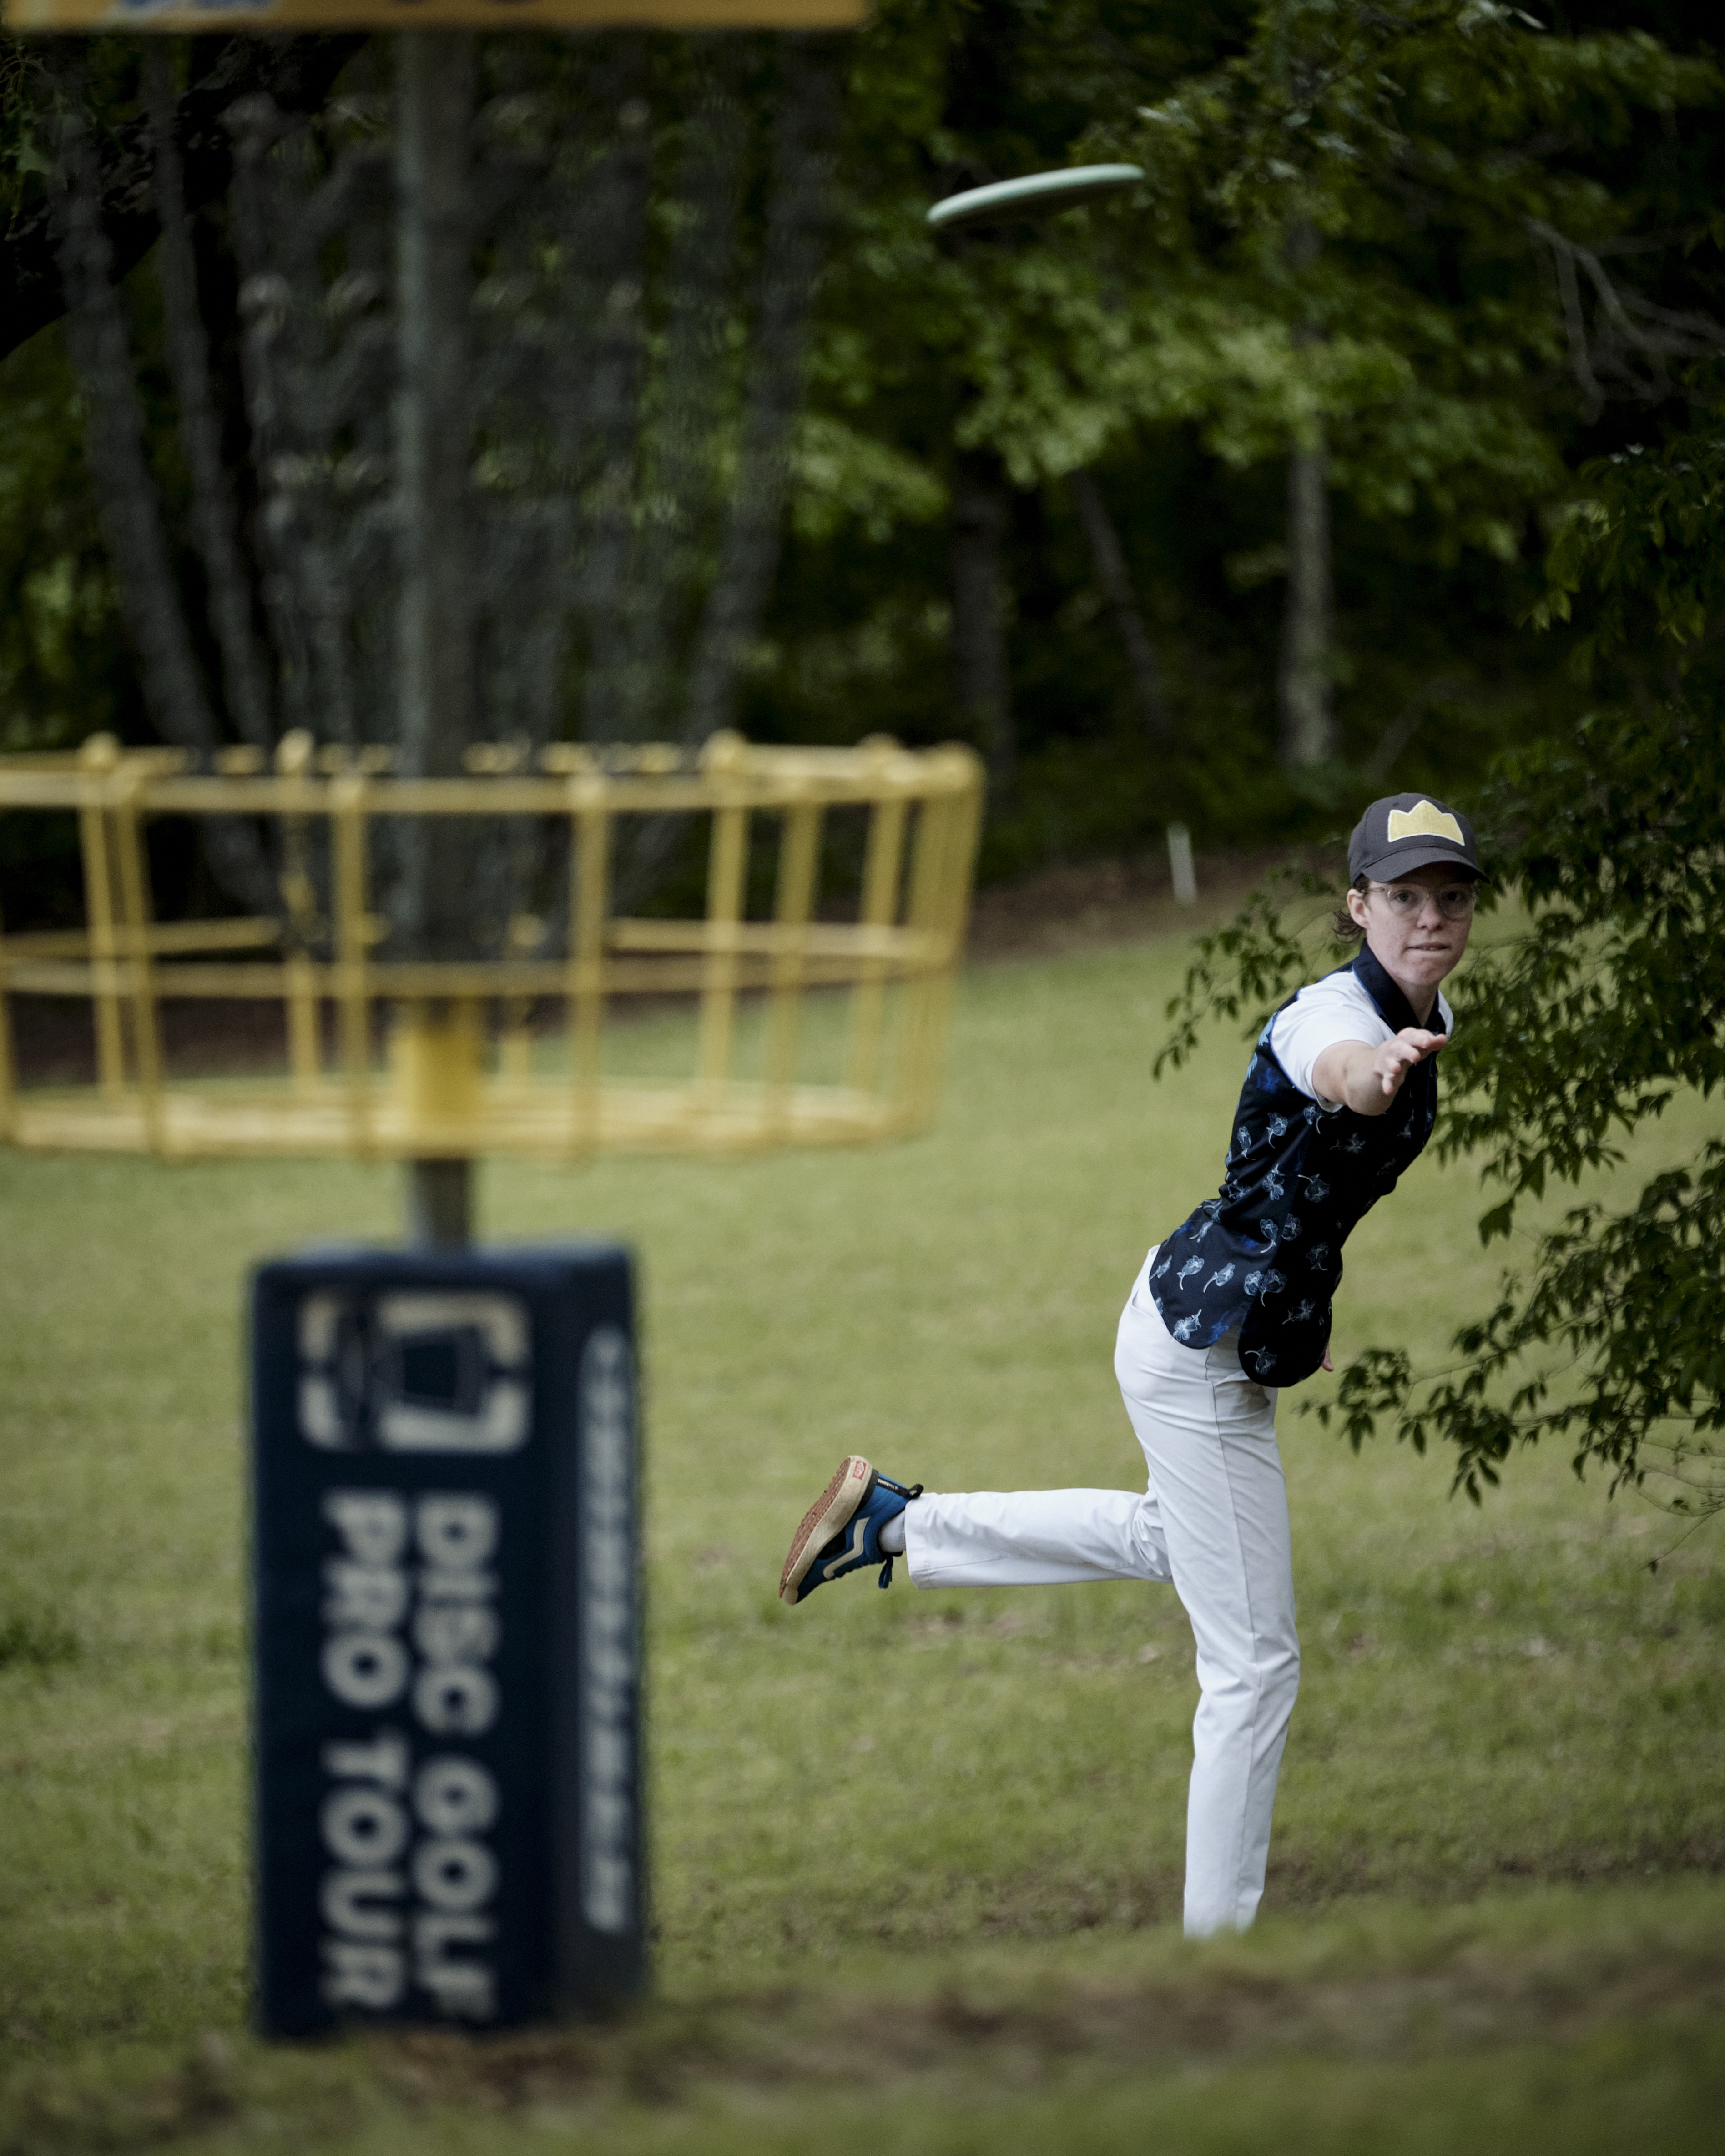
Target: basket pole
[
  {"x": 798, "y": 875},
  {"x": 348, "y": 882},
  {"x": 883, "y": 866},
  {"x": 98, "y": 758},
  {"x": 135, "y": 937},
  {"x": 8, "y": 1082},
  {"x": 589, "y": 884},
  {"x": 725, "y": 871}
]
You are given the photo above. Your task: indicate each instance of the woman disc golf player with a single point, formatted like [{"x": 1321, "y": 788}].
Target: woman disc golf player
[{"x": 1234, "y": 1305}]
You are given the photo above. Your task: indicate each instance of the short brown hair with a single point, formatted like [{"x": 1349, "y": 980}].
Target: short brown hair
[{"x": 1344, "y": 927}]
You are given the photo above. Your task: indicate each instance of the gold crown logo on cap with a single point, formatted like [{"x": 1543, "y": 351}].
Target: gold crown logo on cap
[{"x": 1426, "y": 821}]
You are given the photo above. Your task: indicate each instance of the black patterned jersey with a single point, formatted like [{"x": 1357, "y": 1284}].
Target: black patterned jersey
[{"x": 1265, "y": 1254}]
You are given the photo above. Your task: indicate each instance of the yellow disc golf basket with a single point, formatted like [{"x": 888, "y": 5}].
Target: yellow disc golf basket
[{"x": 777, "y": 1018}]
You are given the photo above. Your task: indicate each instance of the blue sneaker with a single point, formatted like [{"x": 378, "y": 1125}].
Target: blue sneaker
[{"x": 841, "y": 1530}]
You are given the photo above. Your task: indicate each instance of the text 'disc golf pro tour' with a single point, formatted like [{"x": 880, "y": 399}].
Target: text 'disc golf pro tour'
[{"x": 411, "y": 1622}]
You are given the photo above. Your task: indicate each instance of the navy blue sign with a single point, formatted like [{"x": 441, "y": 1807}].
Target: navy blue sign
[{"x": 446, "y": 1632}]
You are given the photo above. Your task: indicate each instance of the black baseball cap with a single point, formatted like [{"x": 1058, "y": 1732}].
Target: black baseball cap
[{"x": 1411, "y": 831}]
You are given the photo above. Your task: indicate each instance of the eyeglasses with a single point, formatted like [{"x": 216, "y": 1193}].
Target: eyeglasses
[{"x": 1407, "y": 901}]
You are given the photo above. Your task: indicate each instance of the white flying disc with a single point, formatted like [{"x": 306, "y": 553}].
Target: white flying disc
[{"x": 1038, "y": 194}]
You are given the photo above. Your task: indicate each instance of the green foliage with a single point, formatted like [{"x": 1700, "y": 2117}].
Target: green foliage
[
  {"x": 1248, "y": 964},
  {"x": 64, "y": 668},
  {"x": 25, "y": 96},
  {"x": 61, "y": 674},
  {"x": 1430, "y": 151},
  {"x": 842, "y": 476},
  {"x": 1465, "y": 175},
  {"x": 1643, "y": 549}
]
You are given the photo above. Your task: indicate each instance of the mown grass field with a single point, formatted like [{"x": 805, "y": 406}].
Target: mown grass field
[{"x": 917, "y": 1856}]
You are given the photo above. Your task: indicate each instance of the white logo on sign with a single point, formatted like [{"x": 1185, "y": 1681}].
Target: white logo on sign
[{"x": 414, "y": 1371}]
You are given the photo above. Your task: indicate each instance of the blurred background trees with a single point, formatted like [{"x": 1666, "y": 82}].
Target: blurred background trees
[{"x": 1227, "y": 503}]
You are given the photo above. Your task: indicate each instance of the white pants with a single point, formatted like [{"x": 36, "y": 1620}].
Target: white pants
[{"x": 1214, "y": 1521}]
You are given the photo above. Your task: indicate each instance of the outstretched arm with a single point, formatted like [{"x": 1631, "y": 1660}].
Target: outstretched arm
[{"x": 1368, "y": 1079}]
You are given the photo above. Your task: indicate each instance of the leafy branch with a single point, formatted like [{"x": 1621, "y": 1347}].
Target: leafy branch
[
  {"x": 1250, "y": 965},
  {"x": 1634, "y": 1298}
]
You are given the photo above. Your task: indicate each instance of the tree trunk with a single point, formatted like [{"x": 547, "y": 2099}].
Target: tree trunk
[
  {"x": 979, "y": 610},
  {"x": 1305, "y": 689},
  {"x": 804, "y": 160},
  {"x": 128, "y": 507},
  {"x": 215, "y": 520},
  {"x": 799, "y": 208},
  {"x": 1116, "y": 580},
  {"x": 436, "y": 624},
  {"x": 681, "y": 468},
  {"x": 435, "y": 628},
  {"x": 613, "y": 414},
  {"x": 1306, "y": 682}
]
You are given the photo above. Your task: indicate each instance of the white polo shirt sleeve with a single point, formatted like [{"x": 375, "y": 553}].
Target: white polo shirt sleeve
[{"x": 1333, "y": 1010}]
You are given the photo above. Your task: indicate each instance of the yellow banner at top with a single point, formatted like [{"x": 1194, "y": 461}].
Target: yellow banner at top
[{"x": 268, "y": 17}]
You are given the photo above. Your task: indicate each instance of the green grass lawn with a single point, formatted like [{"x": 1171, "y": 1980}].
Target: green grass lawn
[{"x": 949, "y": 1824}]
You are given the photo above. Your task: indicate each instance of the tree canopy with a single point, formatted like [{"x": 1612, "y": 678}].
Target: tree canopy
[{"x": 1041, "y": 484}]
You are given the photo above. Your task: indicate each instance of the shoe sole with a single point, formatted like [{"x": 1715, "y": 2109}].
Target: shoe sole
[{"x": 830, "y": 1513}]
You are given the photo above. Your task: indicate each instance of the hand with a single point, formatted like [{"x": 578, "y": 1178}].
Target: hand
[{"x": 1401, "y": 1054}]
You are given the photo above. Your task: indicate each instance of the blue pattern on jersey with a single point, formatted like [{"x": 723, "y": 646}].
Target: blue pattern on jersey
[{"x": 1265, "y": 1254}]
